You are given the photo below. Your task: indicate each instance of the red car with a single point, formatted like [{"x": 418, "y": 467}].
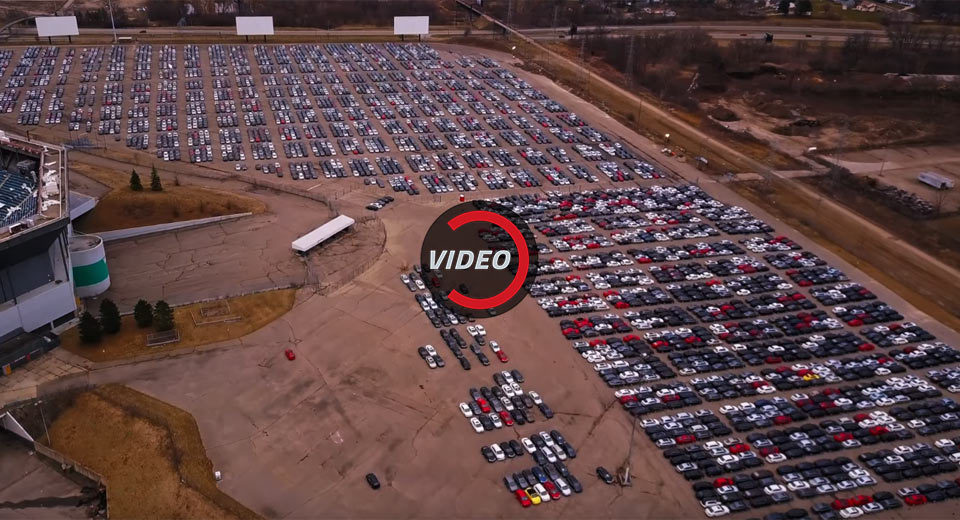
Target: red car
[
  {"x": 915, "y": 500},
  {"x": 290, "y": 355},
  {"x": 552, "y": 489},
  {"x": 522, "y": 497},
  {"x": 502, "y": 356},
  {"x": 507, "y": 419},
  {"x": 686, "y": 438},
  {"x": 484, "y": 406}
]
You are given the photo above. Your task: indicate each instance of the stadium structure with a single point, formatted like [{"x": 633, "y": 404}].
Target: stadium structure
[{"x": 37, "y": 295}]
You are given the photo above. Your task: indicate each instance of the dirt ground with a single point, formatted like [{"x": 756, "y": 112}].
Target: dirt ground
[
  {"x": 151, "y": 467},
  {"x": 255, "y": 311},
  {"x": 121, "y": 207},
  {"x": 900, "y": 166}
]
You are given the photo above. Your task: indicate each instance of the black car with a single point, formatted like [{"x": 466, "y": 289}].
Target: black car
[
  {"x": 562, "y": 468},
  {"x": 539, "y": 458},
  {"x": 557, "y": 437},
  {"x": 464, "y": 363},
  {"x": 574, "y": 484},
  {"x": 484, "y": 360},
  {"x": 531, "y": 479},
  {"x": 439, "y": 361},
  {"x": 546, "y": 411},
  {"x": 508, "y": 450},
  {"x": 510, "y": 483},
  {"x": 521, "y": 480},
  {"x": 486, "y": 422},
  {"x": 517, "y": 447},
  {"x": 538, "y": 441},
  {"x": 488, "y": 454},
  {"x": 568, "y": 449},
  {"x": 373, "y": 481},
  {"x": 604, "y": 475}
]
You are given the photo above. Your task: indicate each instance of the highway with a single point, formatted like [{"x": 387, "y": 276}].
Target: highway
[{"x": 717, "y": 30}]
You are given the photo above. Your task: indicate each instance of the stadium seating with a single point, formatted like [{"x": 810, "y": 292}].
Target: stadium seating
[{"x": 17, "y": 197}]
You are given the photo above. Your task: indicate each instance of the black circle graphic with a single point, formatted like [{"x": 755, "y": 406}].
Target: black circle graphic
[{"x": 473, "y": 270}]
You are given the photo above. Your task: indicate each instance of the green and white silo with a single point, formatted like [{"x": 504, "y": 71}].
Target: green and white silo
[{"x": 89, "y": 260}]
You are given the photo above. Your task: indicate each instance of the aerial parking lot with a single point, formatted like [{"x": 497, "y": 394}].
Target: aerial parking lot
[{"x": 754, "y": 372}]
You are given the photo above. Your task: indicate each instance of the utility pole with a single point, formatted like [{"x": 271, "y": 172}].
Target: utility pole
[
  {"x": 112, "y": 24},
  {"x": 510, "y": 13},
  {"x": 629, "y": 68},
  {"x": 556, "y": 11}
]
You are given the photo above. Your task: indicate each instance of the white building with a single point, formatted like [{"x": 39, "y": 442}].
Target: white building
[{"x": 36, "y": 277}]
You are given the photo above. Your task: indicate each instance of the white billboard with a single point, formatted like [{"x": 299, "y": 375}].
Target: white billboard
[
  {"x": 254, "y": 25},
  {"x": 57, "y": 26},
  {"x": 411, "y": 25}
]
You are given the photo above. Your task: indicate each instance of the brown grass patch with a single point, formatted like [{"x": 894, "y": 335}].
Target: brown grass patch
[
  {"x": 257, "y": 310},
  {"x": 150, "y": 454},
  {"x": 122, "y": 207}
]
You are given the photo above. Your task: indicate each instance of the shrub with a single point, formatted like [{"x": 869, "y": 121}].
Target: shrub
[
  {"x": 109, "y": 316},
  {"x": 155, "y": 184},
  {"x": 163, "y": 316},
  {"x": 89, "y": 328},
  {"x": 135, "y": 184},
  {"x": 143, "y": 314}
]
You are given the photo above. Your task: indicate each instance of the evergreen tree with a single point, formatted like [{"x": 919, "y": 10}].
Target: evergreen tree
[
  {"x": 155, "y": 180},
  {"x": 109, "y": 316},
  {"x": 135, "y": 184},
  {"x": 784, "y": 6},
  {"x": 804, "y": 7},
  {"x": 163, "y": 316},
  {"x": 89, "y": 328},
  {"x": 143, "y": 314}
]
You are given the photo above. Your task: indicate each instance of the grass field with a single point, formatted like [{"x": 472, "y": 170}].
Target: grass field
[
  {"x": 122, "y": 207},
  {"x": 150, "y": 454},
  {"x": 257, "y": 310}
]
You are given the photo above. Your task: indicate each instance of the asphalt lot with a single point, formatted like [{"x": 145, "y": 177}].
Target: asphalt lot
[
  {"x": 30, "y": 488},
  {"x": 295, "y": 438}
]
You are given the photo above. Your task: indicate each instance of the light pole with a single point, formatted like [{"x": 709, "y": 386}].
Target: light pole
[
  {"x": 112, "y": 25},
  {"x": 44, "y": 421}
]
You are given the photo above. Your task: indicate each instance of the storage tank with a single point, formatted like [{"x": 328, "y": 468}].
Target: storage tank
[{"x": 89, "y": 260}]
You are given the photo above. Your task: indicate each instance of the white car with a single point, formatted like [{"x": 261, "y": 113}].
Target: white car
[
  {"x": 430, "y": 350},
  {"x": 477, "y": 427},
  {"x": 497, "y": 423},
  {"x": 548, "y": 453},
  {"x": 498, "y": 452},
  {"x": 774, "y": 488},
  {"x": 775, "y": 458},
  {"x": 536, "y": 397},
  {"x": 542, "y": 492},
  {"x": 404, "y": 278},
  {"x": 717, "y": 511},
  {"x": 528, "y": 445},
  {"x": 419, "y": 284},
  {"x": 480, "y": 330},
  {"x": 547, "y": 439},
  {"x": 494, "y": 346},
  {"x": 465, "y": 410},
  {"x": 563, "y": 486},
  {"x": 851, "y": 512},
  {"x": 472, "y": 330}
]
